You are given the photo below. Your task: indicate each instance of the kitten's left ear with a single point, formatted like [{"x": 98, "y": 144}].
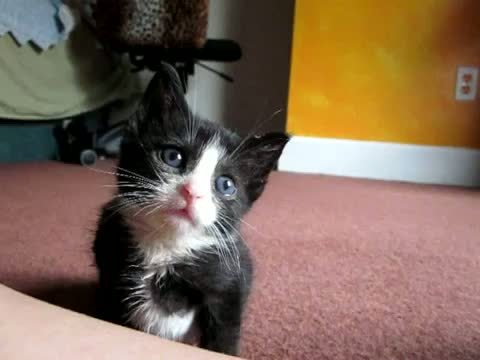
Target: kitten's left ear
[
  {"x": 163, "y": 99},
  {"x": 260, "y": 155},
  {"x": 266, "y": 149}
]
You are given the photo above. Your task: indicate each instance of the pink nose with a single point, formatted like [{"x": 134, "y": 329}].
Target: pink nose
[{"x": 188, "y": 193}]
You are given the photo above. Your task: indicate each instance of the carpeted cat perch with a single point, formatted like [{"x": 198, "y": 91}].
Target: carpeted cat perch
[
  {"x": 162, "y": 30},
  {"x": 162, "y": 23}
]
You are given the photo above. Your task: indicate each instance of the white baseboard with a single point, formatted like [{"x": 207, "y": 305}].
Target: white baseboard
[{"x": 383, "y": 161}]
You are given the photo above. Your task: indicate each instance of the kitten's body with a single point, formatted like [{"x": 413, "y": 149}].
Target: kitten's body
[
  {"x": 165, "y": 292},
  {"x": 170, "y": 257}
]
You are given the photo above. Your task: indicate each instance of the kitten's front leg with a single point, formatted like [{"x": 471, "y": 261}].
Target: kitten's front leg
[{"x": 220, "y": 324}]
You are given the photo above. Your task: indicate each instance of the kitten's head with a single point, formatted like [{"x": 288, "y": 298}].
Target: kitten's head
[{"x": 187, "y": 172}]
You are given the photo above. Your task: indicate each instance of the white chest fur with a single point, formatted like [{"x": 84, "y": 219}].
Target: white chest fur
[
  {"x": 157, "y": 251},
  {"x": 147, "y": 315}
]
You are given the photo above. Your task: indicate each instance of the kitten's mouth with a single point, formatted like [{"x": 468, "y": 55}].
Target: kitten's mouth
[{"x": 184, "y": 213}]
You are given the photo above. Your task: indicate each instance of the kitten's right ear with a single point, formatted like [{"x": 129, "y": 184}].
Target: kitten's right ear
[{"x": 163, "y": 98}]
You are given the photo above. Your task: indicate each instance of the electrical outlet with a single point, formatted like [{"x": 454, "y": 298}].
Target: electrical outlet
[{"x": 466, "y": 88}]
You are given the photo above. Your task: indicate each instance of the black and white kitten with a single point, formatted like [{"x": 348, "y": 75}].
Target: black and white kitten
[{"x": 170, "y": 257}]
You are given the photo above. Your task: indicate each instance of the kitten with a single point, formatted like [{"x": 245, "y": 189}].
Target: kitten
[{"x": 170, "y": 257}]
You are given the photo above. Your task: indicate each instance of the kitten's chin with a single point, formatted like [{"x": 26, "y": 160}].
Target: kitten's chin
[
  {"x": 161, "y": 227},
  {"x": 181, "y": 220},
  {"x": 180, "y": 215},
  {"x": 180, "y": 223},
  {"x": 174, "y": 221}
]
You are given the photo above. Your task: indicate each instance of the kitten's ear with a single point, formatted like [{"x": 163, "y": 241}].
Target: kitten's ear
[
  {"x": 260, "y": 154},
  {"x": 163, "y": 98}
]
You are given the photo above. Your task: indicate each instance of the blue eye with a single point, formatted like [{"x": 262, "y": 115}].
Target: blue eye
[
  {"x": 172, "y": 157},
  {"x": 225, "y": 186}
]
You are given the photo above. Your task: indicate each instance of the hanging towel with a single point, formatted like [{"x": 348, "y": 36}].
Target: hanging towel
[{"x": 43, "y": 22}]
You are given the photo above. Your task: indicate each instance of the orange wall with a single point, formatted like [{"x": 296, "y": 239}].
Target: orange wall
[{"x": 384, "y": 70}]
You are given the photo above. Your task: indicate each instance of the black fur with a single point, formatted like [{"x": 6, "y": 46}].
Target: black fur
[{"x": 202, "y": 280}]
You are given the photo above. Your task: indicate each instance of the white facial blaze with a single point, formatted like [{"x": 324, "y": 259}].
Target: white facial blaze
[
  {"x": 155, "y": 230},
  {"x": 201, "y": 180},
  {"x": 161, "y": 248}
]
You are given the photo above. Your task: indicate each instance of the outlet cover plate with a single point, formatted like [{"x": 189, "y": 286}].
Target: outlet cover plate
[{"x": 466, "y": 87}]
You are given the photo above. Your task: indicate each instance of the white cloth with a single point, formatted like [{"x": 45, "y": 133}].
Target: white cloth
[{"x": 43, "y": 22}]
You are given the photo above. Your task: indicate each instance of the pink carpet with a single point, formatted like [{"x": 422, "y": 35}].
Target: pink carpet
[{"x": 345, "y": 269}]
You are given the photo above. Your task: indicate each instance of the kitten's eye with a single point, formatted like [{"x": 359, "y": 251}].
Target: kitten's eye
[
  {"x": 172, "y": 157},
  {"x": 225, "y": 186}
]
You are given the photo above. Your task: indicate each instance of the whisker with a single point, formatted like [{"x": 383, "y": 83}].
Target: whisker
[
  {"x": 122, "y": 205},
  {"x": 140, "y": 177},
  {"x": 144, "y": 208},
  {"x": 254, "y": 228},
  {"x": 142, "y": 194},
  {"x": 232, "y": 250},
  {"x": 136, "y": 177},
  {"x": 252, "y": 133},
  {"x": 155, "y": 209},
  {"x": 147, "y": 190},
  {"x": 228, "y": 241},
  {"x": 221, "y": 248}
]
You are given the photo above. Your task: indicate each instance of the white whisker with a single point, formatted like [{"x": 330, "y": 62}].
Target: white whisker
[
  {"x": 255, "y": 128},
  {"x": 232, "y": 250}
]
